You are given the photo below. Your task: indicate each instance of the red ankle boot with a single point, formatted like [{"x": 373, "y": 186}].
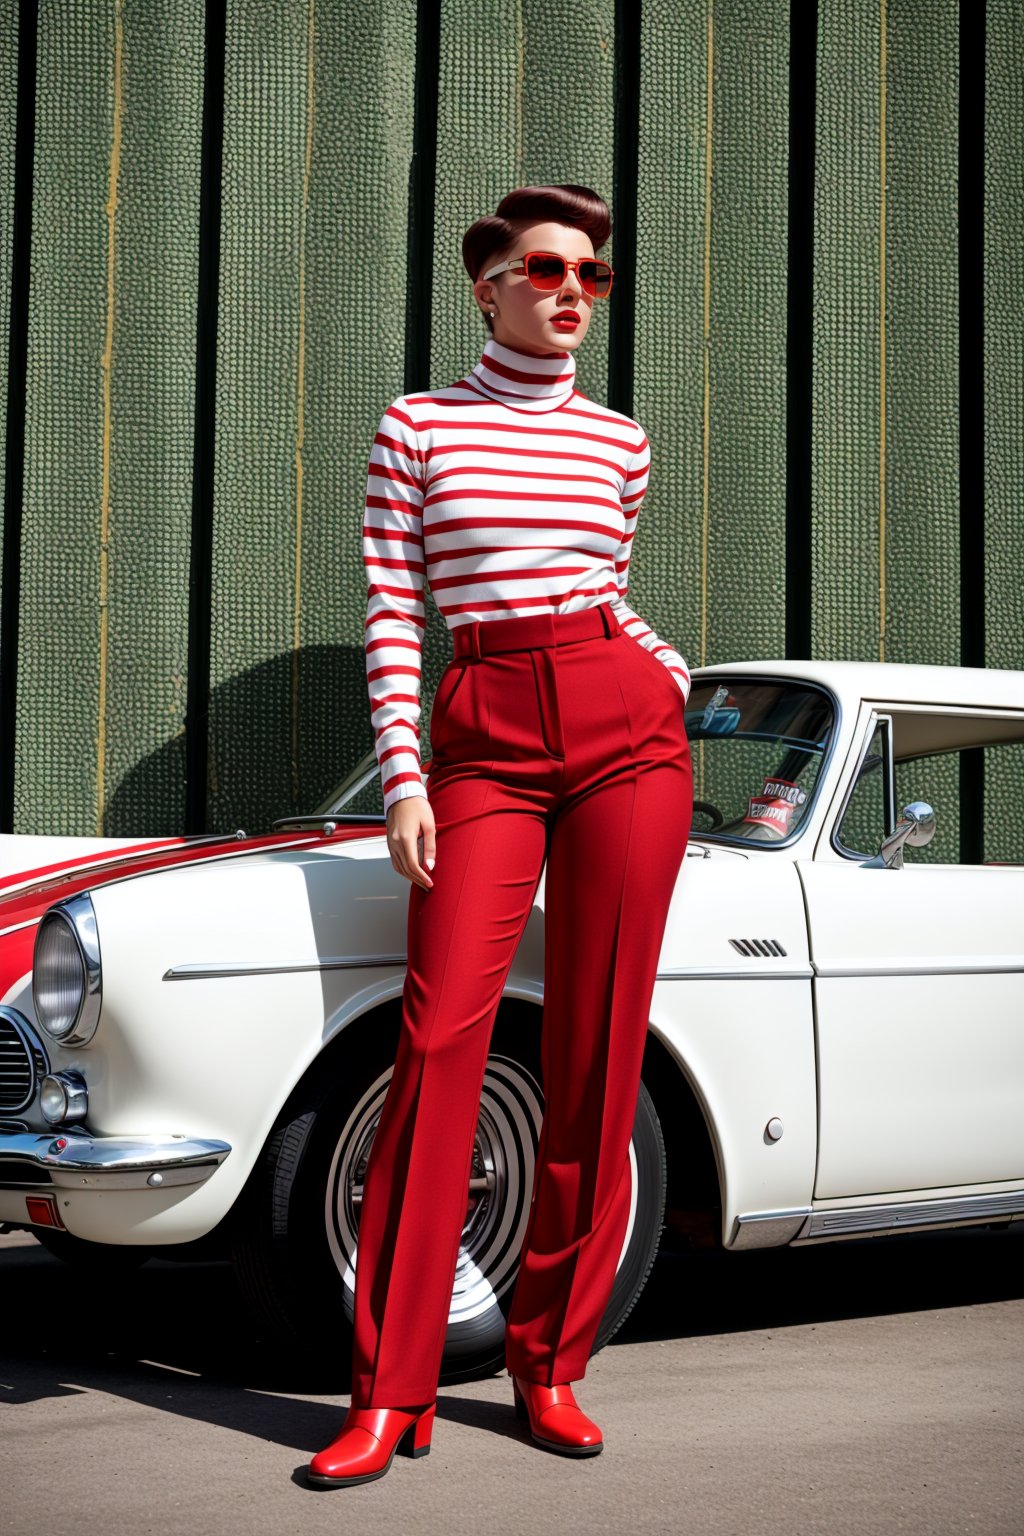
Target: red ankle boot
[
  {"x": 557, "y": 1422},
  {"x": 366, "y": 1446}
]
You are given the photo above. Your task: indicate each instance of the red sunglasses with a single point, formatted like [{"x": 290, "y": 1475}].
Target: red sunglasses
[{"x": 547, "y": 270}]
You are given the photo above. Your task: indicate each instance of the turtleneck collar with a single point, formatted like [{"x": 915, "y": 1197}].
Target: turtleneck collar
[{"x": 522, "y": 380}]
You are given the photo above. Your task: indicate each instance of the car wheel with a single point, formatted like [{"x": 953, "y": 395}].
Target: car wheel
[{"x": 295, "y": 1247}]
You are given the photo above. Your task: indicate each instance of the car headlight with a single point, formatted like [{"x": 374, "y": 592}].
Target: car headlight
[
  {"x": 64, "y": 1097},
  {"x": 66, "y": 988}
]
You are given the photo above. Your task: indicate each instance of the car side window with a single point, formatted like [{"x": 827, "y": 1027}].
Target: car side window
[
  {"x": 863, "y": 825},
  {"x": 976, "y": 804},
  {"x": 1002, "y": 822}
]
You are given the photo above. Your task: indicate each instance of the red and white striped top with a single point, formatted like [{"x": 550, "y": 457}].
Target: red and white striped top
[{"x": 510, "y": 493}]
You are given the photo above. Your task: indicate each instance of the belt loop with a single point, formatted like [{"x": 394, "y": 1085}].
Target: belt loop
[
  {"x": 608, "y": 619},
  {"x": 474, "y": 639}
]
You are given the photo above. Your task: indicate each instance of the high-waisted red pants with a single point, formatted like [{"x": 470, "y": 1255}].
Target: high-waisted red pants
[{"x": 555, "y": 737}]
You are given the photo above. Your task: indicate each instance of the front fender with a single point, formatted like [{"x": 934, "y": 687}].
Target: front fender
[{"x": 182, "y": 1050}]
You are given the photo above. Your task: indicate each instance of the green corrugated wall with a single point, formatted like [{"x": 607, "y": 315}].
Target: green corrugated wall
[
  {"x": 102, "y": 653},
  {"x": 8, "y": 133},
  {"x": 1004, "y": 335},
  {"x": 322, "y": 139}
]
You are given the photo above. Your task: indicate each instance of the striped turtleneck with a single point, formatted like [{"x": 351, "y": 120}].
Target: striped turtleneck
[
  {"x": 523, "y": 380},
  {"x": 508, "y": 493}
]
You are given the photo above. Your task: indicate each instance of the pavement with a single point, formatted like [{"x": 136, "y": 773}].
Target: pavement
[{"x": 846, "y": 1388}]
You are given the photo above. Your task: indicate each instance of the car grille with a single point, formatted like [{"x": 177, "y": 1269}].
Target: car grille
[{"x": 17, "y": 1065}]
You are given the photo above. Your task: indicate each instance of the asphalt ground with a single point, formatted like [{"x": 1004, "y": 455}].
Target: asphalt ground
[{"x": 854, "y": 1387}]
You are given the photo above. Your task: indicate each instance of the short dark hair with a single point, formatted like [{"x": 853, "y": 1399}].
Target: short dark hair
[{"x": 488, "y": 239}]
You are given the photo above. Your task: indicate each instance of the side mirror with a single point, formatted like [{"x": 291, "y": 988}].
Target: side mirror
[
  {"x": 922, "y": 823},
  {"x": 916, "y": 826}
]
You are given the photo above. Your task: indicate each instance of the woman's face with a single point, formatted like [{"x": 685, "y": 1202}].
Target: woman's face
[{"x": 524, "y": 314}]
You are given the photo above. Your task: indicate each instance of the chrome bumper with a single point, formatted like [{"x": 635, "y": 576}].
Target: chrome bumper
[{"x": 76, "y": 1161}]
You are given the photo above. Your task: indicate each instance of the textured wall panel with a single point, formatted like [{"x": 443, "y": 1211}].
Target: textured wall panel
[
  {"x": 846, "y": 445},
  {"x": 526, "y": 96},
  {"x": 1003, "y": 833},
  {"x": 1004, "y": 400},
  {"x": 747, "y": 429},
  {"x": 1004, "y": 336},
  {"x": 922, "y": 396},
  {"x": 669, "y": 580},
  {"x": 8, "y": 141},
  {"x": 667, "y": 571},
  {"x": 566, "y": 131},
  {"x": 709, "y": 567},
  {"x": 311, "y": 345},
  {"x": 885, "y": 449},
  {"x": 480, "y": 157},
  {"x": 922, "y": 611},
  {"x": 109, "y": 418}
]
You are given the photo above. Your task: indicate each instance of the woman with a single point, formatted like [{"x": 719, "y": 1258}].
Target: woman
[{"x": 559, "y": 745}]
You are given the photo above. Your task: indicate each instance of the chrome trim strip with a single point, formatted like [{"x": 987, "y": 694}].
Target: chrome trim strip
[
  {"x": 736, "y": 973},
  {"x": 767, "y": 1229},
  {"x": 926, "y": 967},
  {"x": 202, "y": 969},
  {"x": 197, "y": 970},
  {"x": 113, "y": 1162},
  {"x": 916, "y": 1213},
  {"x": 875, "y": 718}
]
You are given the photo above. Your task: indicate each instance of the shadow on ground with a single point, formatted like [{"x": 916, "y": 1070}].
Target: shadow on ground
[{"x": 177, "y": 1336}]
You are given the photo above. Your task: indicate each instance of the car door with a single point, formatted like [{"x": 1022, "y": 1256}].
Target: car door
[{"x": 919, "y": 970}]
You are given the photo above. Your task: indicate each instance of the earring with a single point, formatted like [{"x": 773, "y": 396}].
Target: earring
[{"x": 494, "y": 311}]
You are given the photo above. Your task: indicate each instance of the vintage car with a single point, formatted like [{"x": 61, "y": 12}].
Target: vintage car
[{"x": 196, "y": 1034}]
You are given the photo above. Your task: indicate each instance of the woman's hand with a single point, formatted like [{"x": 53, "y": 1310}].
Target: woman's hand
[{"x": 408, "y": 821}]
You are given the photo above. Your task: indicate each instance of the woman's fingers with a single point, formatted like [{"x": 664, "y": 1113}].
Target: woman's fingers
[
  {"x": 408, "y": 821},
  {"x": 417, "y": 872}
]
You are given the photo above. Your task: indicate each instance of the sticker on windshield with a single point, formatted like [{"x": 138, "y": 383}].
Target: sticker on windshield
[{"x": 774, "y": 806}]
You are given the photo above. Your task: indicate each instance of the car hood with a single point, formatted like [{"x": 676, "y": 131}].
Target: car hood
[{"x": 37, "y": 871}]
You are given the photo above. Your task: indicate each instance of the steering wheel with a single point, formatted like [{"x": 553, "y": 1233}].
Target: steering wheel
[{"x": 711, "y": 810}]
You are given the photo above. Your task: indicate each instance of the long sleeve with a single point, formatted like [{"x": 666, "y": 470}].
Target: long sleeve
[
  {"x": 635, "y": 488},
  {"x": 395, "y": 562}
]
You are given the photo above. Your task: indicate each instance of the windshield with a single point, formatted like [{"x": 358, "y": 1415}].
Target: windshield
[
  {"x": 359, "y": 793},
  {"x": 758, "y": 747}
]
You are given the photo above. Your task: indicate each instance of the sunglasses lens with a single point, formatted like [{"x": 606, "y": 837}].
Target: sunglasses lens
[
  {"x": 596, "y": 278},
  {"x": 545, "y": 271}
]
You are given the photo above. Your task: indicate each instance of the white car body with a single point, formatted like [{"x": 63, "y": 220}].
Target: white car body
[{"x": 859, "y": 1069}]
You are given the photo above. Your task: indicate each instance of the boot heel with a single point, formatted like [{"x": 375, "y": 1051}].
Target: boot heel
[
  {"x": 367, "y": 1444},
  {"x": 522, "y": 1412},
  {"x": 416, "y": 1440}
]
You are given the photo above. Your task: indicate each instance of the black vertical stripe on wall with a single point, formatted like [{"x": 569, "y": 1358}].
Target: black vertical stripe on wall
[
  {"x": 422, "y": 180},
  {"x": 971, "y": 250},
  {"x": 17, "y": 363},
  {"x": 803, "y": 71},
  {"x": 200, "y": 586},
  {"x": 625, "y": 156}
]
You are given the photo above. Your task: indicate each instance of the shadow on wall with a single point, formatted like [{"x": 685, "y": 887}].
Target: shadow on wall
[{"x": 282, "y": 736}]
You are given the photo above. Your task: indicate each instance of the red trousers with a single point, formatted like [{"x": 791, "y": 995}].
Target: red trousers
[{"x": 556, "y": 737}]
